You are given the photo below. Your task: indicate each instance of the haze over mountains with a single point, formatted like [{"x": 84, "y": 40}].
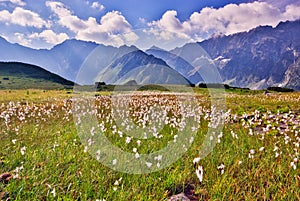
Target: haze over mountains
[{"x": 262, "y": 57}]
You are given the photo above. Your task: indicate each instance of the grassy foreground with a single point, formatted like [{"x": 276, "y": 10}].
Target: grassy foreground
[{"x": 256, "y": 157}]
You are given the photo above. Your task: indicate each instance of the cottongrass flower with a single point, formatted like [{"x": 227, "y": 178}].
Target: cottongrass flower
[
  {"x": 53, "y": 192},
  {"x": 293, "y": 165},
  {"x": 199, "y": 173},
  {"x": 251, "y": 153},
  {"x": 277, "y": 154},
  {"x": 117, "y": 183},
  {"x": 114, "y": 162},
  {"x": 98, "y": 155},
  {"x": 148, "y": 164},
  {"x": 137, "y": 155},
  {"x": 221, "y": 168},
  {"x": 233, "y": 134},
  {"x": 128, "y": 140},
  {"x": 22, "y": 150},
  {"x": 196, "y": 160},
  {"x": 17, "y": 170}
]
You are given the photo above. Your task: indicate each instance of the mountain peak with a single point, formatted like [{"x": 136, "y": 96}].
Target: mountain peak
[{"x": 155, "y": 48}]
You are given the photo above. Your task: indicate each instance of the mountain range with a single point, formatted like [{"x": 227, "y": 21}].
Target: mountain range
[{"x": 262, "y": 57}]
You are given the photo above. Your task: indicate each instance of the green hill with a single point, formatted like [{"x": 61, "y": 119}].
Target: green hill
[{"x": 15, "y": 75}]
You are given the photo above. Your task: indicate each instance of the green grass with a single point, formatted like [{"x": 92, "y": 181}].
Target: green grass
[
  {"x": 15, "y": 75},
  {"x": 55, "y": 159}
]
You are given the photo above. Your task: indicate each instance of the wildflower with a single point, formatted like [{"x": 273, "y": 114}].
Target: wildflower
[
  {"x": 191, "y": 140},
  {"x": 98, "y": 155},
  {"x": 114, "y": 162},
  {"x": 293, "y": 164},
  {"x": 234, "y": 135},
  {"x": 53, "y": 192},
  {"x": 23, "y": 150},
  {"x": 117, "y": 183},
  {"x": 55, "y": 145},
  {"x": 219, "y": 137},
  {"x": 158, "y": 158},
  {"x": 199, "y": 173},
  {"x": 128, "y": 139},
  {"x": 16, "y": 171},
  {"x": 261, "y": 149},
  {"x": 148, "y": 164},
  {"x": 251, "y": 153},
  {"x": 175, "y": 138},
  {"x": 221, "y": 168},
  {"x": 196, "y": 160},
  {"x": 14, "y": 141}
]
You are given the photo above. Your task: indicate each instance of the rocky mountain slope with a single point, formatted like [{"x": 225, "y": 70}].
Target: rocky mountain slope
[{"x": 262, "y": 57}]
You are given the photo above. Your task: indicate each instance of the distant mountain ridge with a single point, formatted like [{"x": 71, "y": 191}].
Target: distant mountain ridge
[
  {"x": 262, "y": 57},
  {"x": 143, "y": 69},
  {"x": 259, "y": 58}
]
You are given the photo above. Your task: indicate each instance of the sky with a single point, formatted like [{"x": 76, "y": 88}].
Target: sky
[{"x": 44, "y": 24}]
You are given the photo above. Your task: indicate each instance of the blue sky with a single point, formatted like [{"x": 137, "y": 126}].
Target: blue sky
[{"x": 43, "y": 24}]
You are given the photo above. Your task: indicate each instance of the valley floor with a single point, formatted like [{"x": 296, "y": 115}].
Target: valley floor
[{"x": 255, "y": 157}]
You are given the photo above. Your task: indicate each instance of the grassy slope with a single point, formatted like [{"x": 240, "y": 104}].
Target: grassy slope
[
  {"x": 76, "y": 175},
  {"x": 25, "y": 76}
]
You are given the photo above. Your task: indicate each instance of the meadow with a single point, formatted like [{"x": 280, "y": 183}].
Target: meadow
[{"x": 256, "y": 156}]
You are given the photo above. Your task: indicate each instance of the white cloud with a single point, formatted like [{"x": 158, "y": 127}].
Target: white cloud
[
  {"x": 169, "y": 21},
  {"x": 50, "y": 37},
  {"x": 98, "y": 6},
  {"x": 230, "y": 19},
  {"x": 17, "y": 2},
  {"x": 168, "y": 27},
  {"x": 108, "y": 31},
  {"x": 44, "y": 39},
  {"x": 23, "y": 17},
  {"x": 292, "y": 12},
  {"x": 22, "y": 39}
]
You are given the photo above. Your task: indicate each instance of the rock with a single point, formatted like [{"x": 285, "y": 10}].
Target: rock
[
  {"x": 5, "y": 177},
  {"x": 179, "y": 197}
]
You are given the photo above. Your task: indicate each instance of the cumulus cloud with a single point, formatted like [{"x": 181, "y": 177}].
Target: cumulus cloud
[
  {"x": 23, "y": 17},
  {"x": 168, "y": 26},
  {"x": 17, "y": 2},
  {"x": 50, "y": 36},
  {"x": 98, "y": 6},
  {"x": 22, "y": 39},
  {"x": 31, "y": 40},
  {"x": 229, "y": 19},
  {"x": 108, "y": 30}
]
